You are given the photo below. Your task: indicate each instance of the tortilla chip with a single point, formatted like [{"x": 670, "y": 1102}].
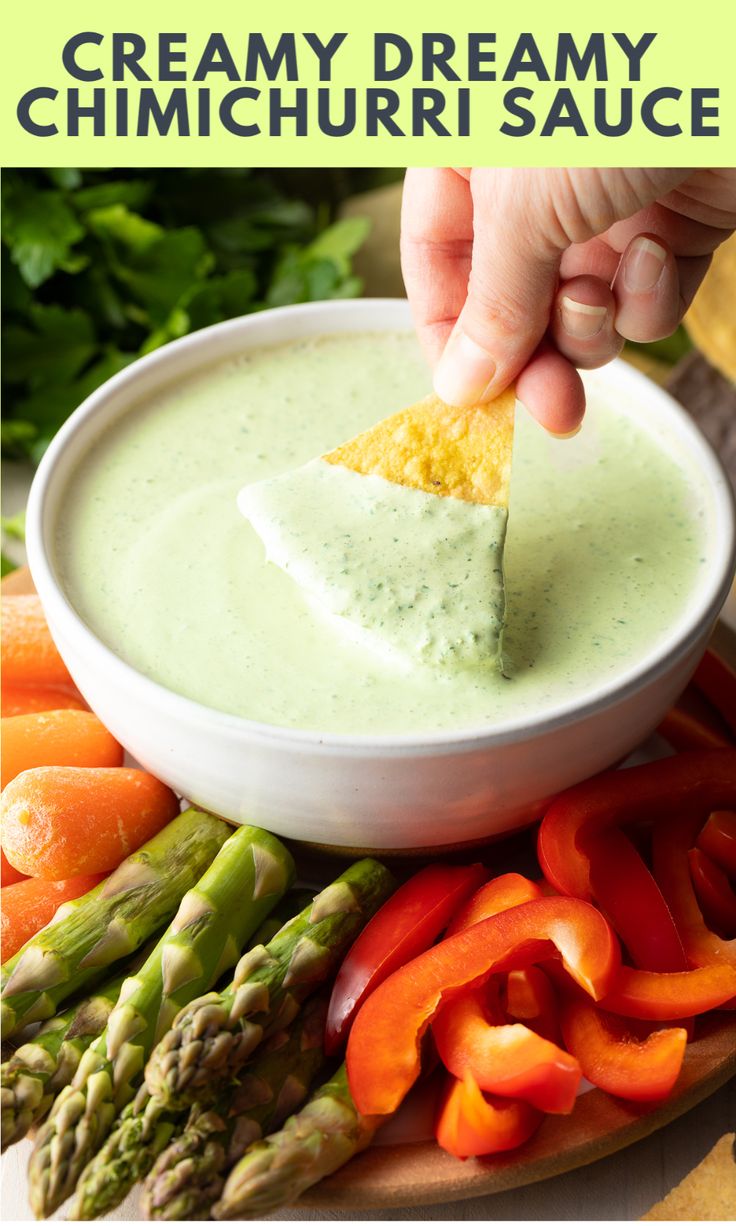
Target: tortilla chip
[
  {"x": 707, "y": 1194},
  {"x": 711, "y": 320},
  {"x": 456, "y": 453}
]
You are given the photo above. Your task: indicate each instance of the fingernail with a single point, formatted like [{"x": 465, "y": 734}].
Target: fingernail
[
  {"x": 569, "y": 434},
  {"x": 643, "y": 265},
  {"x": 464, "y": 372},
  {"x": 580, "y": 320}
]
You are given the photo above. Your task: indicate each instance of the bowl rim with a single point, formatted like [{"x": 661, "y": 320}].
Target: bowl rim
[{"x": 369, "y": 314}]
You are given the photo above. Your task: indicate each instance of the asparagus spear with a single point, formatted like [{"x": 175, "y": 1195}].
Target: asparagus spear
[
  {"x": 212, "y": 1037},
  {"x": 145, "y": 1128},
  {"x": 190, "y": 1174},
  {"x": 323, "y": 1136},
  {"x": 94, "y": 931},
  {"x": 40, "y": 1068},
  {"x": 215, "y": 918},
  {"x": 140, "y": 1133},
  {"x": 292, "y": 902}
]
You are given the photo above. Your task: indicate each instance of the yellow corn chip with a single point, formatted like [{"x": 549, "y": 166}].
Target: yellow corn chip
[
  {"x": 707, "y": 1194},
  {"x": 711, "y": 320},
  {"x": 456, "y": 453}
]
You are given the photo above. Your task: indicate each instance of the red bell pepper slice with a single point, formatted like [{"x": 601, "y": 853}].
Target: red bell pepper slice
[
  {"x": 684, "y": 729},
  {"x": 690, "y": 782},
  {"x": 612, "y": 1058},
  {"x": 469, "y": 1124},
  {"x": 383, "y": 1055},
  {"x": 717, "y": 680},
  {"x": 671, "y": 842},
  {"x": 661, "y": 997},
  {"x": 407, "y": 924},
  {"x": 500, "y": 894},
  {"x": 718, "y": 840},
  {"x": 528, "y": 997},
  {"x": 714, "y": 892},
  {"x": 631, "y": 899},
  {"x": 509, "y": 1059}
]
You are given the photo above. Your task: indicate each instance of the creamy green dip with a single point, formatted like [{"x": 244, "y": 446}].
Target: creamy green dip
[
  {"x": 403, "y": 571},
  {"x": 605, "y": 543}
]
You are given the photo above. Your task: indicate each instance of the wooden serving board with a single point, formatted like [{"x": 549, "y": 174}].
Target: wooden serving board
[{"x": 389, "y": 1177}]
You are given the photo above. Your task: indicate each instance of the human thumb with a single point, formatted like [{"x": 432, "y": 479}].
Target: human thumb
[{"x": 512, "y": 284}]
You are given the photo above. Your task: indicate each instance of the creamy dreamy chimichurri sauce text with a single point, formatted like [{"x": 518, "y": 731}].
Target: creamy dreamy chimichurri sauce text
[{"x": 605, "y": 543}]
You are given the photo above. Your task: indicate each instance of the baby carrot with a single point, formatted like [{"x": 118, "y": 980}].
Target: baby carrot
[
  {"x": 56, "y": 738},
  {"x": 29, "y": 905},
  {"x": 29, "y": 655},
  {"x": 59, "y": 821},
  {"x": 25, "y": 699},
  {"x": 8, "y": 874},
  {"x": 18, "y": 582}
]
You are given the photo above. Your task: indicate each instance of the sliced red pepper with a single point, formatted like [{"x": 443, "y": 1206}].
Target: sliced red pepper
[
  {"x": 383, "y": 1055},
  {"x": 718, "y": 840},
  {"x": 695, "y": 782},
  {"x": 529, "y": 997},
  {"x": 469, "y": 1124},
  {"x": 612, "y": 1058},
  {"x": 663, "y": 997},
  {"x": 407, "y": 924},
  {"x": 684, "y": 729},
  {"x": 631, "y": 899},
  {"x": 500, "y": 894},
  {"x": 638, "y": 989},
  {"x": 717, "y": 680},
  {"x": 714, "y": 892},
  {"x": 671, "y": 842},
  {"x": 509, "y": 1059}
]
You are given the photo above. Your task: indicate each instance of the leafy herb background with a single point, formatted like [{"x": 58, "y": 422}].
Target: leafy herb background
[{"x": 100, "y": 267}]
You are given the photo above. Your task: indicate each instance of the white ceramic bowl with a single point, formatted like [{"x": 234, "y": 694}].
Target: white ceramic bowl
[{"x": 421, "y": 791}]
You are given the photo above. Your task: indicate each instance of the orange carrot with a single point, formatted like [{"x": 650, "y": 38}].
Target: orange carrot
[
  {"x": 26, "y": 699},
  {"x": 31, "y": 904},
  {"x": 9, "y": 875},
  {"x": 29, "y": 655},
  {"x": 59, "y": 821},
  {"x": 56, "y": 738},
  {"x": 18, "y": 582}
]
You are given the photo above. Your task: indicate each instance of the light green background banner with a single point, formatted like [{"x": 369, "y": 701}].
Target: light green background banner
[{"x": 693, "y": 50}]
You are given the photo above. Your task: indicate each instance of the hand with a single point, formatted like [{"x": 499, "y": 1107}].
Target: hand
[{"x": 524, "y": 274}]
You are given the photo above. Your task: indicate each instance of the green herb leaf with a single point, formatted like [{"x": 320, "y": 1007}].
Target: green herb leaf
[
  {"x": 337, "y": 243},
  {"x": 133, "y": 193},
  {"x": 40, "y": 229},
  {"x": 64, "y": 177},
  {"x": 17, "y": 436},
  {"x": 130, "y": 231},
  {"x": 14, "y": 525},
  {"x": 53, "y": 347}
]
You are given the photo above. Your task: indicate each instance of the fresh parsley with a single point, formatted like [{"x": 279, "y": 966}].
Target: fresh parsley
[{"x": 100, "y": 267}]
